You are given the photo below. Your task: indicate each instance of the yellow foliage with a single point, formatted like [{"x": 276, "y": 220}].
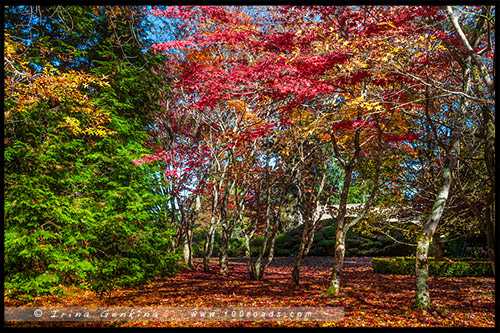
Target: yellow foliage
[
  {"x": 62, "y": 92},
  {"x": 73, "y": 125},
  {"x": 237, "y": 104},
  {"x": 10, "y": 48},
  {"x": 303, "y": 116},
  {"x": 56, "y": 88}
]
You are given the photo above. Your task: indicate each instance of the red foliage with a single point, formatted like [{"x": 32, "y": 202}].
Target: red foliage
[
  {"x": 400, "y": 138},
  {"x": 273, "y": 66}
]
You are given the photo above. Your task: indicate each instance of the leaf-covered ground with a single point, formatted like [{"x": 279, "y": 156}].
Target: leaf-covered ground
[{"x": 368, "y": 298}]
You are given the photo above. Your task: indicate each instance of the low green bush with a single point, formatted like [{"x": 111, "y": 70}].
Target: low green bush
[
  {"x": 236, "y": 247},
  {"x": 286, "y": 245},
  {"x": 406, "y": 266},
  {"x": 325, "y": 247}
]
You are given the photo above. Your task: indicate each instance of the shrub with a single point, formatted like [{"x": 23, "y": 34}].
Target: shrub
[
  {"x": 406, "y": 266},
  {"x": 199, "y": 235},
  {"x": 327, "y": 247},
  {"x": 329, "y": 232},
  {"x": 256, "y": 244},
  {"x": 236, "y": 247},
  {"x": 286, "y": 245}
]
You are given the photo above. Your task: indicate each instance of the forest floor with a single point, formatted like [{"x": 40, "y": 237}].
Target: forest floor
[{"x": 367, "y": 298}]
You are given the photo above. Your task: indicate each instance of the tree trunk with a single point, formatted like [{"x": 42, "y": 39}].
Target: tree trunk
[
  {"x": 305, "y": 246},
  {"x": 224, "y": 269},
  {"x": 270, "y": 255},
  {"x": 490, "y": 234},
  {"x": 258, "y": 266},
  {"x": 437, "y": 246},
  {"x": 226, "y": 230},
  {"x": 423, "y": 300},
  {"x": 489, "y": 159},
  {"x": 338, "y": 262},
  {"x": 299, "y": 258},
  {"x": 296, "y": 268},
  {"x": 223, "y": 250},
  {"x": 314, "y": 228},
  {"x": 187, "y": 248},
  {"x": 209, "y": 245},
  {"x": 186, "y": 252},
  {"x": 247, "y": 246},
  {"x": 265, "y": 257},
  {"x": 310, "y": 223},
  {"x": 209, "y": 240},
  {"x": 255, "y": 269}
]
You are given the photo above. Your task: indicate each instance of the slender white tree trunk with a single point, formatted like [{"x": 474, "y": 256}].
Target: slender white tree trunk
[
  {"x": 299, "y": 258},
  {"x": 209, "y": 244},
  {"x": 338, "y": 262},
  {"x": 422, "y": 299},
  {"x": 224, "y": 248},
  {"x": 187, "y": 249}
]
